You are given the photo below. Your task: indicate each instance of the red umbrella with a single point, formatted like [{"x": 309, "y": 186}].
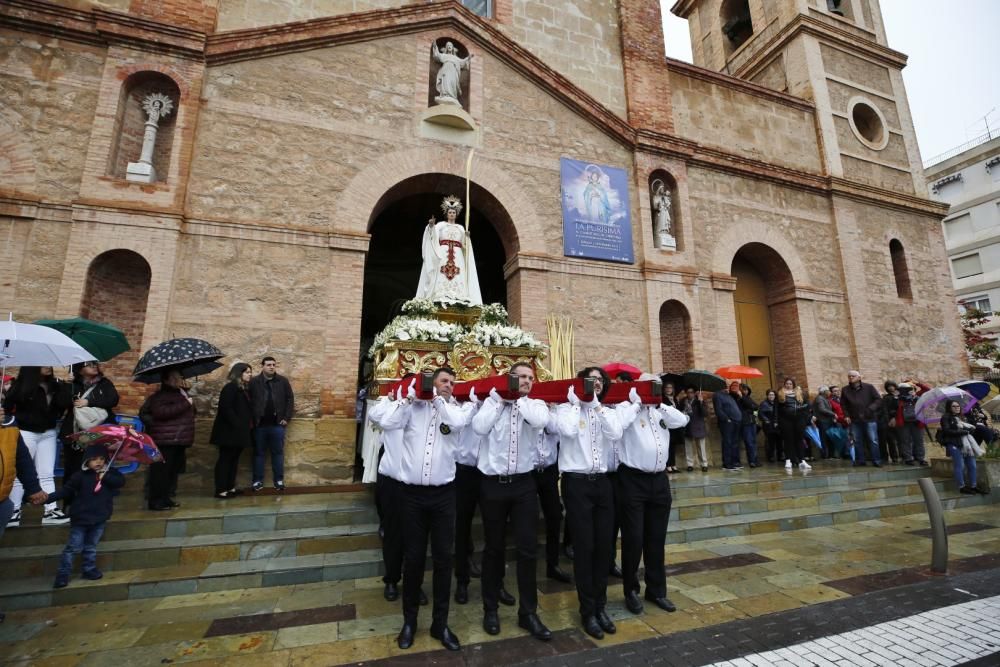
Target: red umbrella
[
  {"x": 738, "y": 372},
  {"x": 128, "y": 444},
  {"x": 621, "y": 367}
]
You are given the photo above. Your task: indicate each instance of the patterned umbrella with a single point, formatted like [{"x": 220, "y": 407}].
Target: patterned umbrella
[
  {"x": 126, "y": 443},
  {"x": 978, "y": 388},
  {"x": 191, "y": 356}
]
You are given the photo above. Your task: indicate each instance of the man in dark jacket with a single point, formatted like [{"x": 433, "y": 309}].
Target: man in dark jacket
[
  {"x": 273, "y": 405},
  {"x": 730, "y": 417},
  {"x": 861, "y": 403}
]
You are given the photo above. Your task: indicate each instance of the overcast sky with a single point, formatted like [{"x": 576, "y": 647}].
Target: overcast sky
[{"x": 953, "y": 74}]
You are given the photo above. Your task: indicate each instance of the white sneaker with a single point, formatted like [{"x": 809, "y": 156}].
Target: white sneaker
[
  {"x": 54, "y": 518},
  {"x": 788, "y": 464},
  {"x": 15, "y": 520},
  {"x": 805, "y": 466}
]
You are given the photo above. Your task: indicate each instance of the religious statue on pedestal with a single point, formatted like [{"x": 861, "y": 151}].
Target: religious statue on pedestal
[
  {"x": 448, "y": 273},
  {"x": 449, "y": 77},
  {"x": 662, "y": 205},
  {"x": 156, "y": 106}
]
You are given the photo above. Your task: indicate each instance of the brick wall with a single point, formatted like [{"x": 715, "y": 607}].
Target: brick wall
[
  {"x": 116, "y": 293},
  {"x": 676, "y": 340},
  {"x": 195, "y": 14}
]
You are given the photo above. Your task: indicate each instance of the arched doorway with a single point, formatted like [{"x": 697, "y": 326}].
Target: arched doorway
[
  {"x": 767, "y": 320},
  {"x": 392, "y": 266},
  {"x": 676, "y": 341},
  {"x": 116, "y": 292}
]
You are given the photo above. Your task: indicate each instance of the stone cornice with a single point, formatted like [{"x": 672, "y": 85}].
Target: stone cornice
[
  {"x": 448, "y": 14},
  {"x": 739, "y": 85},
  {"x": 831, "y": 34},
  {"x": 870, "y": 194},
  {"x": 100, "y": 27},
  {"x": 682, "y": 8}
]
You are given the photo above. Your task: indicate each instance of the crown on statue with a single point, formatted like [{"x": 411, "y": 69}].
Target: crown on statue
[{"x": 451, "y": 203}]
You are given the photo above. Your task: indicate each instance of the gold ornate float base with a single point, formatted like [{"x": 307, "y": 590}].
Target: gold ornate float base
[{"x": 469, "y": 359}]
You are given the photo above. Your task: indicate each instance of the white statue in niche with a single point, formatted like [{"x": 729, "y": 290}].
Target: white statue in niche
[
  {"x": 156, "y": 106},
  {"x": 448, "y": 273},
  {"x": 449, "y": 77},
  {"x": 663, "y": 208}
]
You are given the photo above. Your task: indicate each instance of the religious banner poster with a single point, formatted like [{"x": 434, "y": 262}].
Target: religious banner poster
[{"x": 597, "y": 223}]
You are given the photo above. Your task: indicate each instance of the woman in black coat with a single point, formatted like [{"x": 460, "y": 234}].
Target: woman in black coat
[
  {"x": 232, "y": 430},
  {"x": 90, "y": 389}
]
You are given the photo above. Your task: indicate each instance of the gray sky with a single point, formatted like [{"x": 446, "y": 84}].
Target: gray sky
[{"x": 953, "y": 74}]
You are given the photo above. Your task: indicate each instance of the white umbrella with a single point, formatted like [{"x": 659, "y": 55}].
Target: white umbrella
[{"x": 34, "y": 345}]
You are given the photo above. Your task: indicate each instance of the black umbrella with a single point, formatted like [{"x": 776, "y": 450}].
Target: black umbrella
[
  {"x": 703, "y": 380},
  {"x": 191, "y": 356},
  {"x": 675, "y": 379}
]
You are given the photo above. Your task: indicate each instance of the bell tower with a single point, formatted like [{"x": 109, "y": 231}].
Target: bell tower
[{"x": 832, "y": 52}]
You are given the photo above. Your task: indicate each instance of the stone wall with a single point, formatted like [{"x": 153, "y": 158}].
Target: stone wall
[{"x": 739, "y": 121}]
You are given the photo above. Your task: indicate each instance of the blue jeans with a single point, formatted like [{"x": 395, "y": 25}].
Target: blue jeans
[
  {"x": 859, "y": 430},
  {"x": 82, "y": 540},
  {"x": 269, "y": 438},
  {"x": 962, "y": 464},
  {"x": 730, "y": 444},
  {"x": 749, "y": 432}
]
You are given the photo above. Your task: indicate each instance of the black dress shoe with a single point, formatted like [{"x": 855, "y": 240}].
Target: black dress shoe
[
  {"x": 491, "y": 622},
  {"x": 159, "y": 507},
  {"x": 462, "y": 594},
  {"x": 534, "y": 625},
  {"x": 405, "y": 638},
  {"x": 605, "y": 622},
  {"x": 615, "y": 571},
  {"x": 447, "y": 638},
  {"x": 876, "y": 464},
  {"x": 633, "y": 603},
  {"x": 391, "y": 592},
  {"x": 558, "y": 575},
  {"x": 506, "y": 598},
  {"x": 568, "y": 550},
  {"x": 592, "y": 627},
  {"x": 474, "y": 570},
  {"x": 173, "y": 503},
  {"x": 423, "y": 598},
  {"x": 663, "y": 603}
]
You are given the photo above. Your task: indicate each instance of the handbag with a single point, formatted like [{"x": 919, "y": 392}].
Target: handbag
[{"x": 89, "y": 416}]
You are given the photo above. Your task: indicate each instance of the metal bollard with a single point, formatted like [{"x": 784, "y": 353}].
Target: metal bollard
[{"x": 939, "y": 531}]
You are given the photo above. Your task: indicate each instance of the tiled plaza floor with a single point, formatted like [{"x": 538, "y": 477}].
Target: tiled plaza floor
[{"x": 329, "y": 623}]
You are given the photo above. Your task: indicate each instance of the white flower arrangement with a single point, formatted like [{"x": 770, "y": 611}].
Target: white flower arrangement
[
  {"x": 494, "y": 313},
  {"x": 417, "y": 328},
  {"x": 418, "y": 307},
  {"x": 503, "y": 335}
]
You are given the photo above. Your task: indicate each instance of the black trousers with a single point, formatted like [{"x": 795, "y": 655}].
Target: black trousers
[
  {"x": 386, "y": 491},
  {"x": 615, "y": 518},
  {"x": 547, "y": 485},
  {"x": 225, "y": 468},
  {"x": 467, "y": 488},
  {"x": 645, "y": 501},
  {"x": 590, "y": 514},
  {"x": 791, "y": 439},
  {"x": 163, "y": 475},
  {"x": 427, "y": 512},
  {"x": 516, "y": 500}
]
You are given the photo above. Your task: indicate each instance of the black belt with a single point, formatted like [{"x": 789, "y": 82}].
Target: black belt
[
  {"x": 637, "y": 471},
  {"x": 506, "y": 479},
  {"x": 589, "y": 476}
]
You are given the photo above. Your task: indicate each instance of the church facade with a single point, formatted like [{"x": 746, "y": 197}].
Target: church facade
[{"x": 259, "y": 173}]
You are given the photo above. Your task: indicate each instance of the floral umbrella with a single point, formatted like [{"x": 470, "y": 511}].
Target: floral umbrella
[
  {"x": 930, "y": 405},
  {"x": 125, "y": 442}
]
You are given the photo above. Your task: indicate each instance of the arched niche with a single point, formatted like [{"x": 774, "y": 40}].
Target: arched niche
[
  {"x": 130, "y": 124},
  {"x": 676, "y": 339},
  {"x": 736, "y": 22},
  {"x": 664, "y": 209},
  {"x": 447, "y": 53}
]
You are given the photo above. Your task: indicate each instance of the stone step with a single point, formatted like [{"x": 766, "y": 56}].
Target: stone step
[
  {"x": 201, "y": 516},
  {"x": 116, "y": 555},
  {"x": 195, "y": 577}
]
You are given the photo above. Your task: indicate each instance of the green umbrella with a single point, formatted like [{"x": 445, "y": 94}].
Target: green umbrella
[{"x": 101, "y": 340}]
